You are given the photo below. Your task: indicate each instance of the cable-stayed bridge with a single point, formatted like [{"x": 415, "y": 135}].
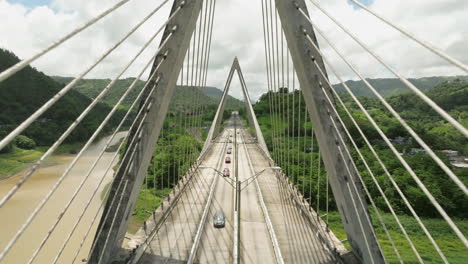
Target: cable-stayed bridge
[{"x": 270, "y": 215}]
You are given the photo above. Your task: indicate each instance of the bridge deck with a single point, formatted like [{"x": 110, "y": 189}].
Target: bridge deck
[{"x": 297, "y": 239}]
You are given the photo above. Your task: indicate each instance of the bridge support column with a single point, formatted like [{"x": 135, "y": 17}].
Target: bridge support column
[
  {"x": 216, "y": 126},
  {"x": 351, "y": 203},
  {"x": 133, "y": 169}
]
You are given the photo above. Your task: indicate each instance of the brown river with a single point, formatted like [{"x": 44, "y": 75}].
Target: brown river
[{"x": 16, "y": 211}]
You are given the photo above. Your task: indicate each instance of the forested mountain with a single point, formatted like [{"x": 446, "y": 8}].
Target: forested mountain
[
  {"x": 435, "y": 131},
  {"x": 182, "y": 96},
  {"x": 392, "y": 86},
  {"x": 216, "y": 94},
  {"x": 27, "y": 90}
]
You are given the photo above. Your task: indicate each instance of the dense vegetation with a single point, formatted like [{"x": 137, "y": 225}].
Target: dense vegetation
[
  {"x": 23, "y": 93},
  {"x": 289, "y": 141},
  {"x": 454, "y": 250},
  {"x": 294, "y": 155},
  {"x": 390, "y": 86},
  {"x": 182, "y": 95},
  {"x": 178, "y": 147}
]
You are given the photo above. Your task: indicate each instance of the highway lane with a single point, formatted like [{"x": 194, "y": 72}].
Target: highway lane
[
  {"x": 297, "y": 236},
  {"x": 217, "y": 243},
  {"x": 172, "y": 243},
  {"x": 255, "y": 241}
]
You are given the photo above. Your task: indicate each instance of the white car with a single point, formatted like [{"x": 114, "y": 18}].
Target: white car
[{"x": 219, "y": 220}]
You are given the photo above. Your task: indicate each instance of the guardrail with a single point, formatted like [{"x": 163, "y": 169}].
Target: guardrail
[
  {"x": 271, "y": 230},
  {"x": 201, "y": 225},
  {"x": 337, "y": 248},
  {"x": 137, "y": 253}
]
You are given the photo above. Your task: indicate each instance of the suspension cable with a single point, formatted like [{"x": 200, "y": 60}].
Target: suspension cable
[
  {"x": 403, "y": 161},
  {"x": 404, "y": 80},
  {"x": 420, "y": 141},
  {"x": 70, "y": 129},
  {"x": 98, "y": 130},
  {"x": 135, "y": 140},
  {"x": 141, "y": 111},
  {"x": 91, "y": 169},
  {"x": 369, "y": 170},
  {"x": 12, "y": 135},
  {"x": 410, "y": 35},
  {"x": 390, "y": 145},
  {"x": 22, "y": 64},
  {"x": 58, "y": 183}
]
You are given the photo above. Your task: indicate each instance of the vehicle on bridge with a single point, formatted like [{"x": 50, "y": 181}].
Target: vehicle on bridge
[
  {"x": 219, "y": 220},
  {"x": 229, "y": 151},
  {"x": 228, "y": 160},
  {"x": 226, "y": 172}
]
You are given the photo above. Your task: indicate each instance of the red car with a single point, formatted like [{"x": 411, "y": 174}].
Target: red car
[
  {"x": 228, "y": 160},
  {"x": 226, "y": 172}
]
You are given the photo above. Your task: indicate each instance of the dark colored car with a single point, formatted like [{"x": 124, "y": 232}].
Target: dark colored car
[
  {"x": 226, "y": 172},
  {"x": 219, "y": 220},
  {"x": 228, "y": 160}
]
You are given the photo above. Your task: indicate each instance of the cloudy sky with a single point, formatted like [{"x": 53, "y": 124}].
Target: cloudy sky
[{"x": 28, "y": 26}]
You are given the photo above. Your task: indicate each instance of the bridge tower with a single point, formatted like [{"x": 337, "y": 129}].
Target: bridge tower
[
  {"x": 167, "y": 65},
  {"x": 140, "y": 146},
  {"x": 341, "y": 172}
]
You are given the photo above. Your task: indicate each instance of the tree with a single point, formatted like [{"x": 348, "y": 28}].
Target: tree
[{"x": 24, "y": 142}]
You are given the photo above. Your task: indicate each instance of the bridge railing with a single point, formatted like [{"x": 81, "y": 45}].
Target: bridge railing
[{"x": 399, "y": 190}]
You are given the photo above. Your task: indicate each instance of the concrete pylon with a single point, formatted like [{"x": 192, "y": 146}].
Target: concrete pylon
[
  {"x": 143, "y": 138},
  {"x": 215, "y": 127},
  {"x": 343, "y": 176}
]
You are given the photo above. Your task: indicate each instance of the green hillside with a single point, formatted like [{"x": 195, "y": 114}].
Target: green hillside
[
  {"x": 29, "y": 89},
  {"x": 216, "y": 94},
  {"x": 182, "y": 96},
  {"x": 288, "y": 146},
  {"x": 391, "y": 86}
]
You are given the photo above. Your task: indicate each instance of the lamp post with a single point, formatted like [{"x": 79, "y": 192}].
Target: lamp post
[
  {"x": 256, "y": 175},
  {"x": 230, "y": 182}
]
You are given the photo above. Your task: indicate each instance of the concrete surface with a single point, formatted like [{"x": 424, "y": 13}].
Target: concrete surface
[{"x": 299, "y": 238}]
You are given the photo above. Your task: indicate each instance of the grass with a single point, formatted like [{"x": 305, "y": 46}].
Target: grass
[
  {"x": 18, "y": 159},
  {"x": 148, "y": 201},
  {"x": 448, "y": 242}
]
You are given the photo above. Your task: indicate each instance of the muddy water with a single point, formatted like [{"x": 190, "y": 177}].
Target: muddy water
[{"x": 17, "y": 210}]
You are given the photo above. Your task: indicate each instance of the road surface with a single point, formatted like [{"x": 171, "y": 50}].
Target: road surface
[{"x": 300, "y": 239}]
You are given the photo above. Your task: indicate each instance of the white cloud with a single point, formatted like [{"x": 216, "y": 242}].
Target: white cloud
[{"x": 238, "y": 32}]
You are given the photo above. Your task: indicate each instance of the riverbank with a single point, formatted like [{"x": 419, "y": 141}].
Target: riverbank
[
  {"x": 449, "y": 243},
  {"x": 148, "y": 201},
  {"x": 26, "y": 199},
  {"x": 19, "y": 159}
]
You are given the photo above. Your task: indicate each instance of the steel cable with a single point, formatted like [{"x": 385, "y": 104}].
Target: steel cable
[
  {"x": 420, "y": 184},
  {"x": 410, "y": 35},
  {"x": 102, "y": 151},
  {"x": 12, "y": 135},
  {"x": 76, "y": 122},
  {"x": 420, "y": 94},
  {"x": 22, "y": 64},
  {"x": 403, "y": 79},
  {"x": 386, "y": 171},
  {"x": 58, "y": 183}
]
